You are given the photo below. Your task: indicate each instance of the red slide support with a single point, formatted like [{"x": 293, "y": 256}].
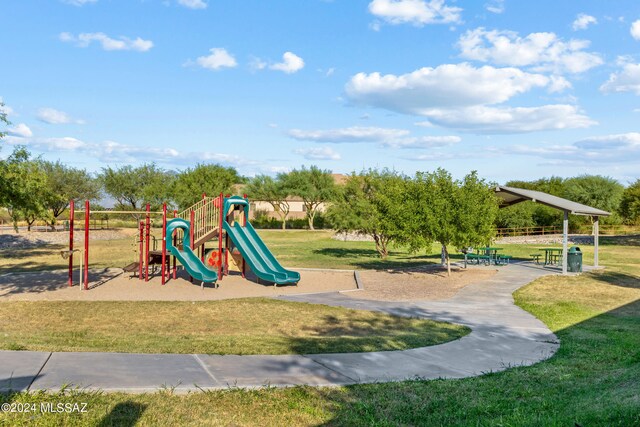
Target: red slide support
[
  {"x": 72, "y": 210},
  {"x": 141, "y": 249},
  {"x": 164, "y": 240},
  {"x": 87, "y": 213},
  {"x": 146, "y": 243}
]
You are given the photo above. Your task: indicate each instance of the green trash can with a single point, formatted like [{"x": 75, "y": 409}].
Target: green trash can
[{"x": 574, "y": 260}]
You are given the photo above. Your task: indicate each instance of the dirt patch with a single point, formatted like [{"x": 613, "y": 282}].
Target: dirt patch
[
  {"x": 34, "y": 239},
  {"x": 425, "y": 284}
]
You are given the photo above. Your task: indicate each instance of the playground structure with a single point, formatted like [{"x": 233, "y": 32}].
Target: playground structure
[{"x": 184, "y": 239}]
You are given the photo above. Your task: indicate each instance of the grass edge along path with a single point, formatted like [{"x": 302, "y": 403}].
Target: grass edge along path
[{"x": 237, "y": 326}]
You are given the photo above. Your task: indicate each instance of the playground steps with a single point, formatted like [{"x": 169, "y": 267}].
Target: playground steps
[{"x": 206, "y": 219}]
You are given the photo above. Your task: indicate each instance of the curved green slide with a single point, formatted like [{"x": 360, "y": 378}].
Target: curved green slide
[
  {"x": 194, "y": 266},
  {"x": 258, "y": 256}
]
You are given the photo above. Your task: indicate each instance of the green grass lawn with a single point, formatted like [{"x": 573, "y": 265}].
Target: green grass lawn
[
  {"x": 240, "y": 326},
  {"x": 593, "y": 380}
]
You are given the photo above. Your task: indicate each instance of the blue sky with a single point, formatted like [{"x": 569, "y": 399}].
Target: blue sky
[{"x": 513, "y": 89}]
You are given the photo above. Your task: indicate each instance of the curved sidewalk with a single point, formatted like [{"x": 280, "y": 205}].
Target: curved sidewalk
[{"x": 503, "y": 336}]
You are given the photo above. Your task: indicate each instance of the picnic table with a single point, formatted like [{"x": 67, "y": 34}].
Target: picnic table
[
  {"x": 550, "y": 256},
  {"x": 491, "y": 252}
]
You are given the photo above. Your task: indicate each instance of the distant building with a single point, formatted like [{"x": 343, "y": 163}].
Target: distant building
[{"x": 297, "y": 208}]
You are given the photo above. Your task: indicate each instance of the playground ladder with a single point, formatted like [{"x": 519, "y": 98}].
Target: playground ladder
[{"x": 206, "y": 219}]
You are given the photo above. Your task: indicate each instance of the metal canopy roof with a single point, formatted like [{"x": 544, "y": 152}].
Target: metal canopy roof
[{"x": 512, "y": 195}]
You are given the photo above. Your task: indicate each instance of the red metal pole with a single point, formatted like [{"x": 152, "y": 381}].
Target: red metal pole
[
  {"x": 141, "y": 264},
  {"x": 191, "y": 221},
  {"x": 72, "y": 210},
  {"x": 87, "y": 214},
  {"x": 164, "y": 240},
  {"x": 146, "y": 243},
  {"x": 220, "y": 207},
  {"x": 175, "y": 243}
]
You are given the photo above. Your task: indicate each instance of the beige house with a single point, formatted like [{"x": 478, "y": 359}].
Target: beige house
[{"x": 297, "y": 208}]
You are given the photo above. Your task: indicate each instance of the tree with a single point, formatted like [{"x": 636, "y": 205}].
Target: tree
[
  {"x": 65, "y": 183},
  {"x": 314, "y": 186},
  {"x": 3, "y": 119},
  {"x": 630, "y": 203},
  {"x": 22, "y": 187},
  {"x": 597, "y": 191},
  {"x": 460, "y": 213},
  {"x": 272, "y": 191},
  {"x": 132, "y": 187},
  {"x": 370, "y": 203},
  {"x": 190, "y": 184}
]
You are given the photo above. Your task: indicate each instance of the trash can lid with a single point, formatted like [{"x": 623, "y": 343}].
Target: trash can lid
[{"x": 574, "y": 249}]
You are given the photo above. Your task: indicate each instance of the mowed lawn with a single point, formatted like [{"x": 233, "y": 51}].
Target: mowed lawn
[
  {"x": 593, "y": 380},
  {"x": 240, "y": 326},
  {"x": 293, "y": 248}
]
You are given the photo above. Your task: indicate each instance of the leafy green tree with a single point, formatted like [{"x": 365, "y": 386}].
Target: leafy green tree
[
  {"x": 448, "y": 211},
  {"x": 133, "y": 187},
  {"x": 272, "y": 191},
  {"x": 65, "y": 183},
  {"x": 208, "y": 179},
  {"x": 22, "y": 187},
  {"x": 314, "y": 186},
  {"x": 600, "y": 192},
  {"x": 3, "y": 119},
  {"x": 370, "y": 203},
  {"x": 630, "y": 204}
]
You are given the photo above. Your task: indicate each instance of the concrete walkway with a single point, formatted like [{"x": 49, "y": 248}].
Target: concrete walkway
[{"x": 502, "y": 336}]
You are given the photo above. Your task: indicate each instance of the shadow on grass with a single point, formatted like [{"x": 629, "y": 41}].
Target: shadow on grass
[
  {"x": 628, "y": 240},
  {"x": 617, "y": 279},
  {"x": 370, "y": 259},
  {"x": 124, "y": 414}
]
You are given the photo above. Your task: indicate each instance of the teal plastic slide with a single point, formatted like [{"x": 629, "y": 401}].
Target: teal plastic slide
[
  {"x": 258, "y": 256},
  {"x": 194, "y": 266}
]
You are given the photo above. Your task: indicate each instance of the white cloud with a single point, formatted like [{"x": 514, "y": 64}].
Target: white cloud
[
  {"x": 111, "y": 151},
  {"x": 416, "y": 12},
  {"x": 464, "y": 97},
  {"x": 78, "y": 2},
  {"x": 193, "y": 4},
  {"x": 607, "y": 149},
  {"x": 448, "y": 85},
  {"x": 542, "y": 51},
  {"x": 218, "y": 59},
  {"x": 107, "y": 43},
  {"x": 347, "y": 135},
  {"x": 495, "y": 6},
  {"x": 385, "y": 137},
  {"x": 291, "y": 63},
  {"x": 629, "y": 140},
  {"x": 20, "y": 130},
  {"x": 583, "y": 21},
  {"x": 627, "y": 80},
  {"x": 422, "y": 142},
  {"x": 500, "y": 120},
  {"x": 53, "y": 116},
  {"x": 635, "y": 29},
  {"x": 319, "y": 153}
]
